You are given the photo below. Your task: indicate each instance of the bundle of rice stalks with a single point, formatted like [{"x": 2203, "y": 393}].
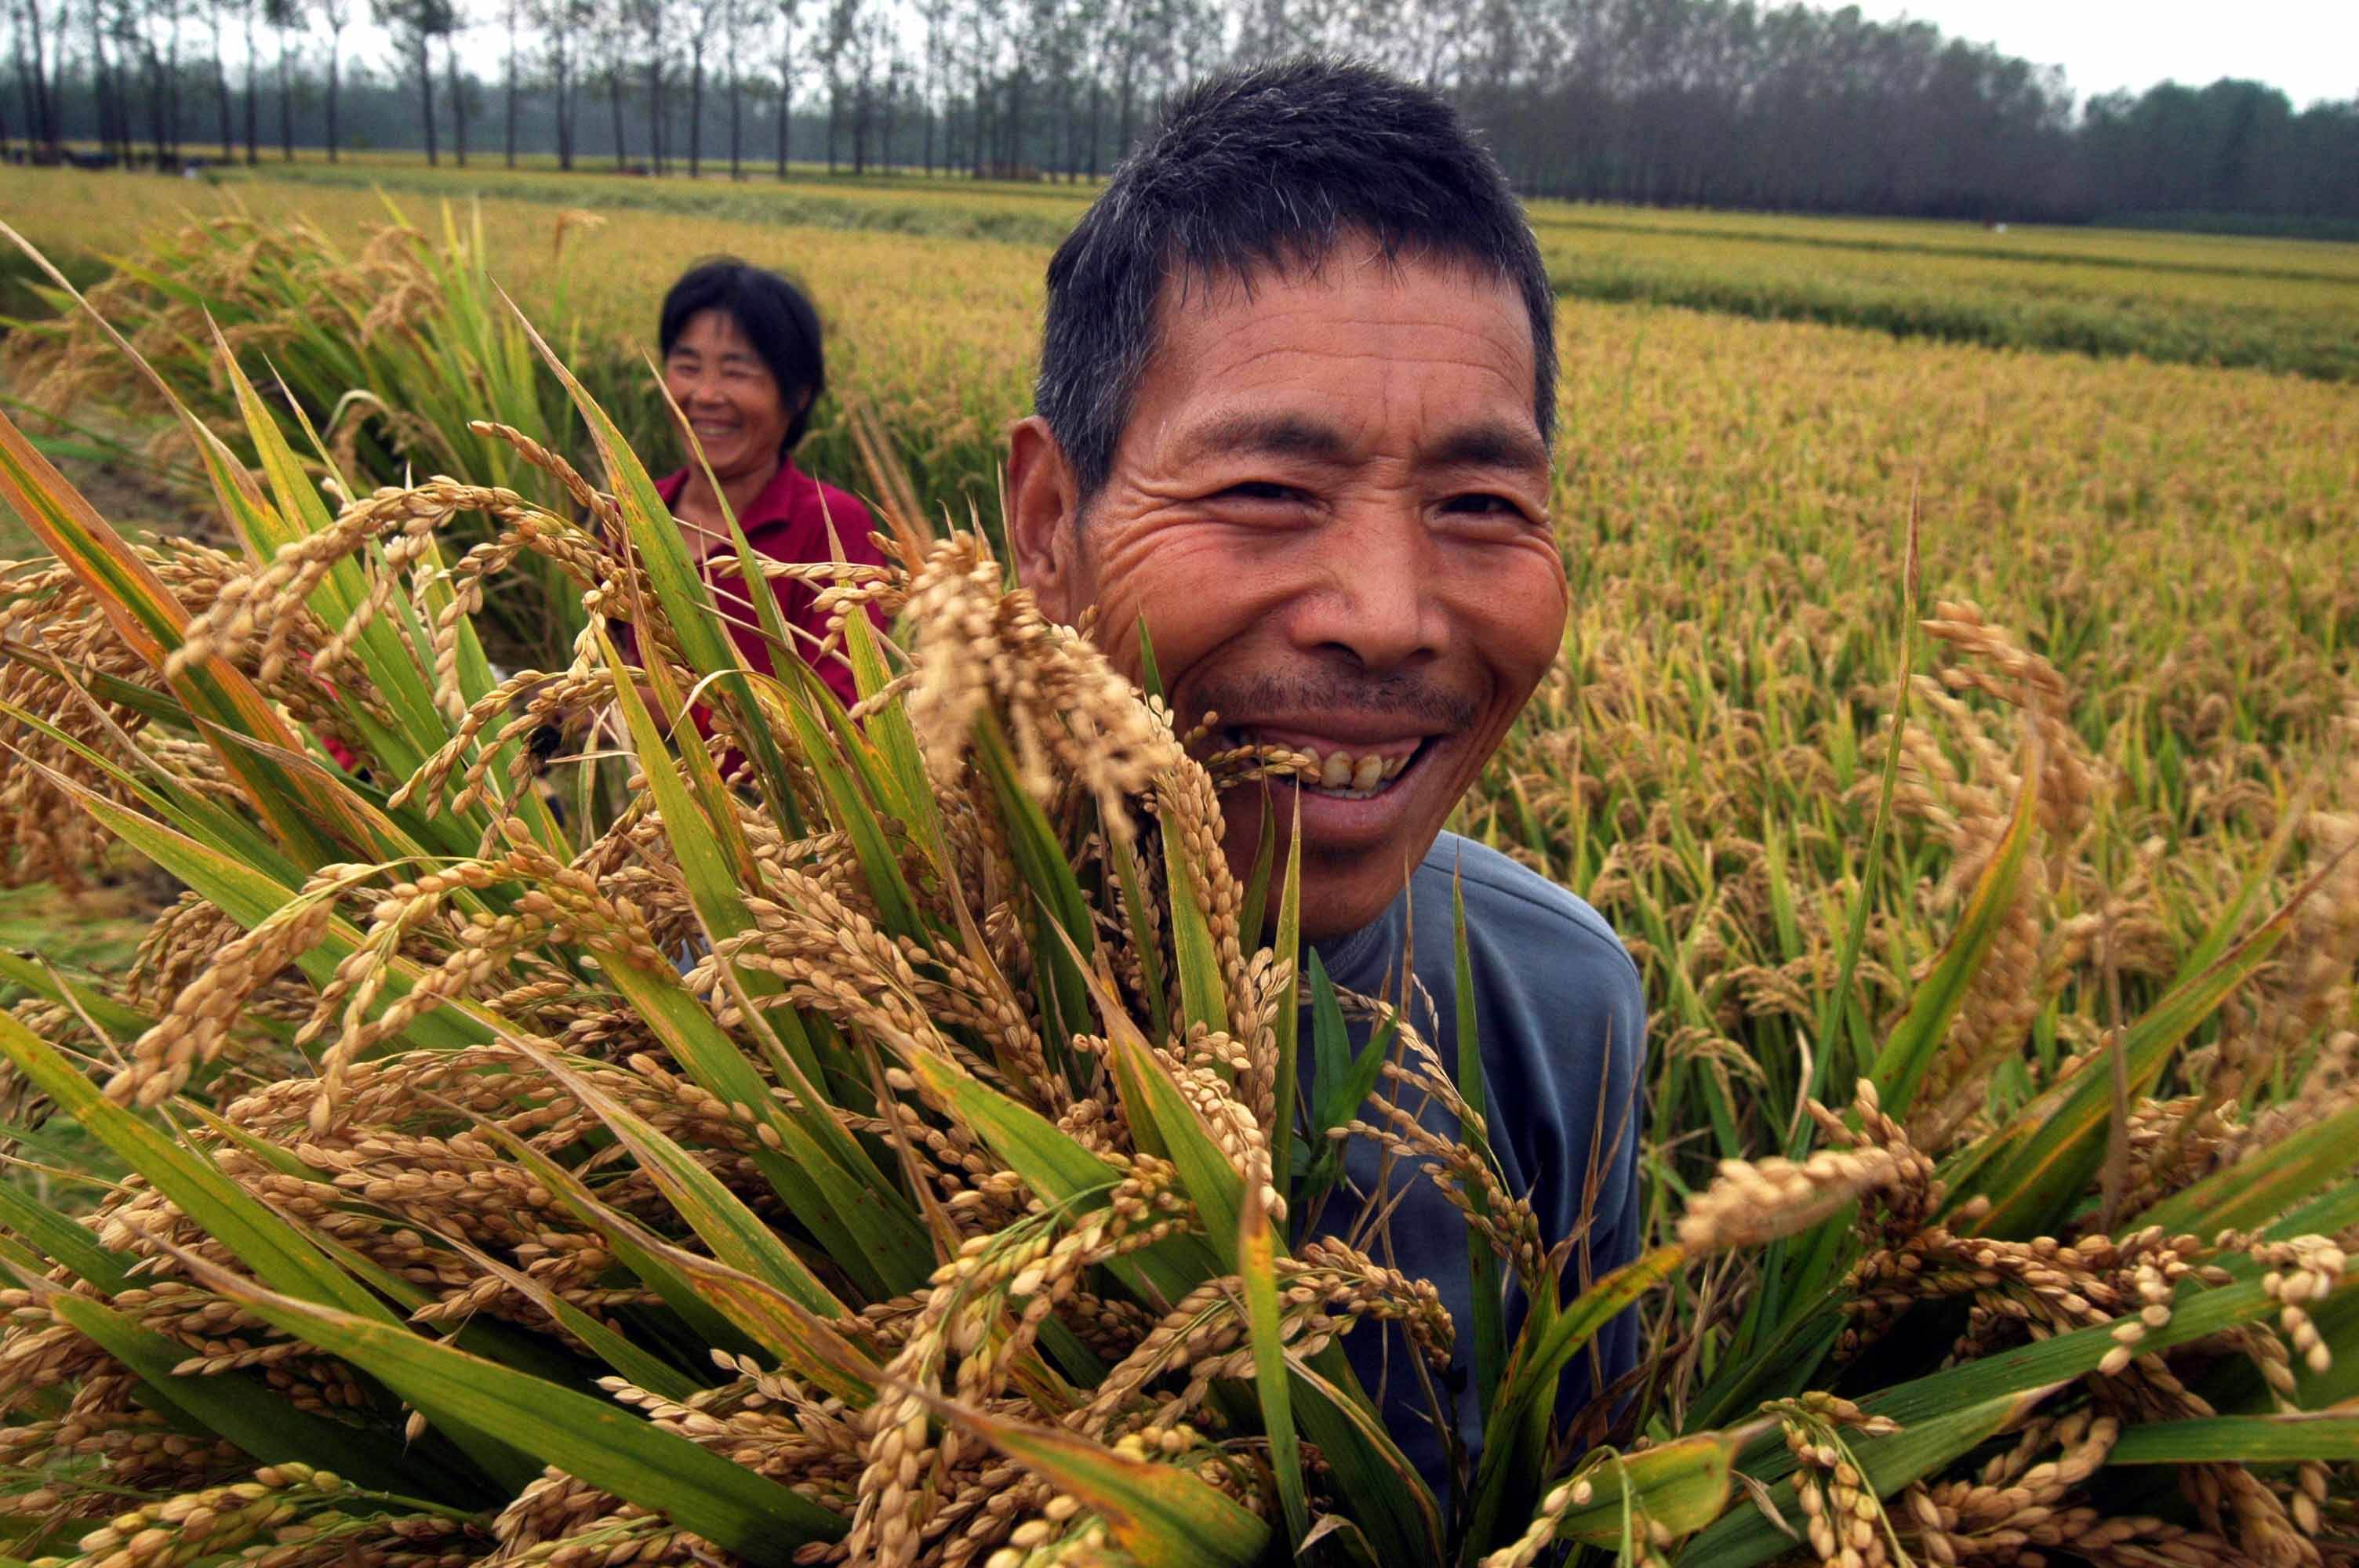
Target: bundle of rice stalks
[{"x": 889, "y": 1154}]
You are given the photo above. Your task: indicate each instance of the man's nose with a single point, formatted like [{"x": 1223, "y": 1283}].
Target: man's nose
[{"x": 1375, "y": 597}]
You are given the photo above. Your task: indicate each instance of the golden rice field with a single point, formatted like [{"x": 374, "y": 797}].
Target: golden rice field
[{"x": 1964, "y": 718}]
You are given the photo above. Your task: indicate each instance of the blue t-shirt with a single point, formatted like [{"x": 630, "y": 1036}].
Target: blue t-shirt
[{"x": 1563, "y": 1022}]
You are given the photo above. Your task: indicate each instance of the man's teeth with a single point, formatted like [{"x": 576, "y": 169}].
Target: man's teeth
[
  {"x": 1355, "y": 777},
  {"x": 1345, "y": 774}
]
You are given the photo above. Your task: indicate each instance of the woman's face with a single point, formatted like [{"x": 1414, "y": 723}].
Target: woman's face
[{"x": 731, "y": 403}]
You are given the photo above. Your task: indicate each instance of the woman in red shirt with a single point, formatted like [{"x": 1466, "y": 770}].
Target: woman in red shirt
[{"x": 743, "y": 360}]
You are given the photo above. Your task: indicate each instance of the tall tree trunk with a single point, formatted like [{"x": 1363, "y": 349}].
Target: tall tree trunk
[
  {"x": 562, "y": 72},
  {"x": 1015, "y": 155},
  {"x": 286, "y": 100},
  {"x": 426, "y": 86},
  {"x": 696, "y": 110},
  {"x": 511, "y": 106},
  {"x": 154, "y": 95},
  {"x": 736, "y": 120},
  {"x": 33, "y": 75},
  {"x": 834, "y": 117},
  {"x": 220, "y": 94},
  {"x": 458, "y": 100},
  {"x": 253, "y": 154},
  {"x": 100, "y": 98},
  {"x": 615, "y": 102},
  {"x": 172, "y": 109},
  {"x": 982, "y": 121},
  {"x": 158, "y": 107},
  {"x": 1097, "y": 122},
  {"x": 176, "y": 110},
  {"x": 335, "y": 80},
  {"x": 927, "y": 111},
  {"x": 654, "y": 109},
  {"x": 1127, "y": 101},
  {"x": 114, "y": 132},
  {"x": 785, "y": 116}
]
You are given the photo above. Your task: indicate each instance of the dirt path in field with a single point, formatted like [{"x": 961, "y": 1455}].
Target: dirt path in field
[{"x": 162, "y": 495}]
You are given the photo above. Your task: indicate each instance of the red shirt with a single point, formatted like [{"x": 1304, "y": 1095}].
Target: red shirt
[{"x": 789, "y": 521}]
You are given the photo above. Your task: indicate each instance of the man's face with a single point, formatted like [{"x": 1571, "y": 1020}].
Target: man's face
[{"x": 1329, "y": 508}]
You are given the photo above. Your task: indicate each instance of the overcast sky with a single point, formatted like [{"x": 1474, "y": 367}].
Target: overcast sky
[{"x": 2309, "y": 47}]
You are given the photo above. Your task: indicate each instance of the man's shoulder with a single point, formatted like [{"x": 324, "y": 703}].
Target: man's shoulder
[{"x": 1521, "y": 909}]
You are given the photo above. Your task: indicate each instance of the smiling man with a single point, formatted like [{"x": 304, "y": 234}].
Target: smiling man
[{"x": 1296, "y": 400}]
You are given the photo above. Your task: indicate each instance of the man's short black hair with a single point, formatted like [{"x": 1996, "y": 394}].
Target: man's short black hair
[
  {"x": 1271, "y": 167},
  {"x": 776, "y": 317}
]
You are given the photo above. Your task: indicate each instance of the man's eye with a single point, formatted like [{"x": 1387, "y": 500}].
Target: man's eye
[
  {"x": 1260, "y": 490},
  {"x": 1482, "y": 505}
]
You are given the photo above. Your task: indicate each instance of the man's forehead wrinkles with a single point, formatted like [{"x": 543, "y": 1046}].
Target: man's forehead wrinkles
[
  {"x": 1375, "y": 333},
  {"x": 1487, "y": 445},
  {"x": 1312, "y": 434},
  {"x": 1279, "y": 432}
]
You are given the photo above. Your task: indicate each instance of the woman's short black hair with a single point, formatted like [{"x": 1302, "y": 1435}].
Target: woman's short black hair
[{"x": 776, "y": 318}]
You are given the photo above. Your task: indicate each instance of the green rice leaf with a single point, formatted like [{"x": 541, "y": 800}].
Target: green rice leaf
[
  {"x": 1743, "y": 1537},
  {"x": 280, "y": 1254},
  {"x": 1159, "y": 1515},
  {"x": 61, "y": 1240},
  {"x": 825, "y": 1179},
  {"x": 1528, "y": 1382},
  {"x": 1909, "y": 1050},
  {"x": 2285, "y": 1439},
  {"x": 1287, "y": 947},
  {"x": 1683, "y": 1485},
  {"x": 153, "y": 623},
  {"x": 252, "y": 1415},
  {"x": 1153, "y": 1100},
  {"x": 1257, "y": 1268},
  {"x": 1482, "y": 1261},
  {"x": 619, "y": 1351},
  {"x": 275, "y": 1251},
  {"x": 710, "y": 1326},
  {"x": 1203, "y": 998},
  {"x": 2062, "y": 1137},
  {"x": 2264, "y": 1183},
  {"x": 736, "y": 1235},
  {"x": 249, "y": 896},
  {"x": 121, "y": 1023},
  {"x": 1373, "y": 1482},
  {"x": 1060, "y": 1171},
  {"x": 595, "y": 1439}
]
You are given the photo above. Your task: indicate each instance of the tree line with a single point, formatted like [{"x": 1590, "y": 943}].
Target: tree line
[{"x": 1689, "y": 102}]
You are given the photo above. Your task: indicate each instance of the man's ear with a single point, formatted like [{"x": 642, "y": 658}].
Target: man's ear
[{"x": 1043, "y": 512}]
